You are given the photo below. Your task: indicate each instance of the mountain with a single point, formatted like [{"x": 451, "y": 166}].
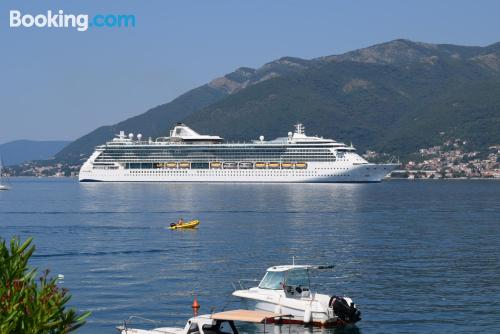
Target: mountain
[
  {"x": 19, "y": 151},
  {"x": 157, "y": 121},
  {"x": 394, "y": 97}
]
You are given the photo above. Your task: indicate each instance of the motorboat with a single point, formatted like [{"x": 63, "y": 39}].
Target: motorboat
[
  {"x": 286, "y": 290},
  {"x": 188, "y": 225},
  {"x": 216, "y": 323}
]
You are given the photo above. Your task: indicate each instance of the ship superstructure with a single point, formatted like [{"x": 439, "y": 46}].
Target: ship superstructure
[{"x": 186, "y": 156}]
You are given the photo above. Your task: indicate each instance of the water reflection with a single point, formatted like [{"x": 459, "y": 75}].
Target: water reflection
[{"x": 191, "y": 197}]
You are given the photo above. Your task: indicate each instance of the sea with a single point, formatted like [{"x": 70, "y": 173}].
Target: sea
[{"x": 415, "y": 256}]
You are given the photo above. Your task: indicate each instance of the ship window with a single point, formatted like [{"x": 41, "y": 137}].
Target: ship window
[
  {"x": 273, "y": 280},
  {"x": 199, "y": 165},
  {"x": 135, "y": 165}
]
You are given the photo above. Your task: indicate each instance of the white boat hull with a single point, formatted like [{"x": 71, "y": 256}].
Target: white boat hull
[
  {"x": 320, "y": 318},
  {"x": 276, "y": 301},
  {"x": 316, "y": 172}
]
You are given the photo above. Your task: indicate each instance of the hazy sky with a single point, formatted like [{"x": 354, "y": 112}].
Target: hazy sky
[{"x": 61, "y": 84}]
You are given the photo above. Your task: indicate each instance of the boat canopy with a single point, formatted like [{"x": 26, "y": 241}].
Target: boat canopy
[
  {"x": 278, "y": 277},
  {"x": 276, "y": 280},
  {"x": 246, "y": 316},
  {"x": 296, "y": 266}
]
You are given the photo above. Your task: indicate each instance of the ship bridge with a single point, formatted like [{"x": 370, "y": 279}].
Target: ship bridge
[
  {"x": 184, "y": 134},
  {"x": 300, "y": 137}
]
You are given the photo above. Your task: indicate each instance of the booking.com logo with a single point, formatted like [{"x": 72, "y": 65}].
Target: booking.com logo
[{"x": 59, "y": 19}]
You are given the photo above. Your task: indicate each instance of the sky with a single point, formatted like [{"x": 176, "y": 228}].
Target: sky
[{"x": 59, "y": 84}]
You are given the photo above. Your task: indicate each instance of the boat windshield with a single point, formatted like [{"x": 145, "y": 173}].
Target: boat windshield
[
  {"x": 298, "y": 277},
  {"x": 273, "y": 280}
]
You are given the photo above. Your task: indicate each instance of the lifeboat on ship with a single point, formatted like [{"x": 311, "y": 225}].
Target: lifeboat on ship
[
  {"x": 171, "y": 165},
  {"x": 184, "y": 164},
  {"x": 274, "y": 165},
  {"x": 301, "y": 165},
  {"x": 245, "y": 165},
  {"x": 260, "y": 165},
  {"x": 230, "y": 165},
  {"x": 287, "y": 165},
  {"x": 215, "y": 165}
]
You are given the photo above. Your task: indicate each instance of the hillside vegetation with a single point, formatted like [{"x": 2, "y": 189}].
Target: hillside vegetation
[{"x": 393, "y": 97}]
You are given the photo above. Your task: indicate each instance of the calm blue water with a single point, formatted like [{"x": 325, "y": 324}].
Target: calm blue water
[{"x": 415, "y": 256}]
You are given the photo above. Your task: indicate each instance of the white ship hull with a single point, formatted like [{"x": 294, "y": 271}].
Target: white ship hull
[{"x": 315, "y": 172}]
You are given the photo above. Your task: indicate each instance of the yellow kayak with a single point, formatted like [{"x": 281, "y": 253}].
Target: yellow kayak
[{"x": 191, "y": 224}]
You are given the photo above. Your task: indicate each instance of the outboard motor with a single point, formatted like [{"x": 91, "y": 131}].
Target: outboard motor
[{"x": 345, "y": 309}]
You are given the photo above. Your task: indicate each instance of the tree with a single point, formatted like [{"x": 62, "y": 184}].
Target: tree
[{"x": 28, "y": 306}]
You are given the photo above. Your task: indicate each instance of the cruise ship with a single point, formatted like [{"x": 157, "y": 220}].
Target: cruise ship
[{"x": 187, "y": 156}]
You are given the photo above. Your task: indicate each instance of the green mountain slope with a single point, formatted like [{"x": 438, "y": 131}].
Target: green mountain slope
[
  {"x": 393, "y": 97},
  {"x": 158, "y": 121},
  {"x": 154, "y": 122},
  {"x": 398, "y": 97}
]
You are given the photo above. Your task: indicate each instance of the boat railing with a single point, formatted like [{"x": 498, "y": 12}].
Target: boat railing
[
  {"x": 242, "y": 283},
  {"x": 128, "y": 322}
]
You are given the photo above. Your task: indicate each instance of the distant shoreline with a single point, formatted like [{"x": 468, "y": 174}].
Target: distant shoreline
[{"x": 386, "y": 179}]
